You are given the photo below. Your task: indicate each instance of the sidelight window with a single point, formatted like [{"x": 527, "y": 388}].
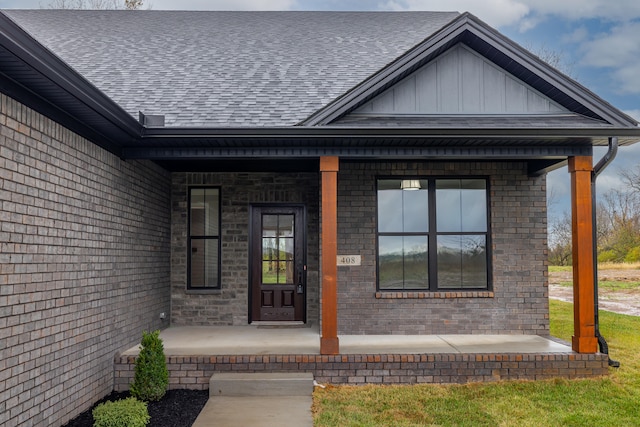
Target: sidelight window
[{"x": 204, "y": 238}]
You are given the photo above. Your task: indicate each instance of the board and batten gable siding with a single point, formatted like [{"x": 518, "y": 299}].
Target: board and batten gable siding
[
  {"x": 460, "y": 82},
  {"x": 84, "y": 251},
  {"x": 517, "y": 302}
]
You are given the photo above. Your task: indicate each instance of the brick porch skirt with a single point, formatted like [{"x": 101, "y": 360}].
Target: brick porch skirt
[{"x": 194, "y": 372}]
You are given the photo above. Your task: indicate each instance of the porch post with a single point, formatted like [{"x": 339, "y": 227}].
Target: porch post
[
  {"x": 584, "y": 339},
  {"x": 329, "y": 166}
]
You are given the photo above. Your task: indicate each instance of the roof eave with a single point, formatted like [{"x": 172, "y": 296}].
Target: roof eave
[
  {"x": 113, "y": 126},
  {"x": 300, "y": 132}
]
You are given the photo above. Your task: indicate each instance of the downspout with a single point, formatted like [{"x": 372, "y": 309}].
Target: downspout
[{"x": 598, "y": 168}]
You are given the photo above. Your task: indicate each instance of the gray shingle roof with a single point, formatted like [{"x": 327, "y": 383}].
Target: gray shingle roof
[{"x": 216, "y": 69}]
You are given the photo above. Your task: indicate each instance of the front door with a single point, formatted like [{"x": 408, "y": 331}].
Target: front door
[{"x": 277, "y": 263}]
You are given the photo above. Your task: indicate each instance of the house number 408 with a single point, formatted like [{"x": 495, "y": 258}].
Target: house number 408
[{"x": 349, "y": 260}]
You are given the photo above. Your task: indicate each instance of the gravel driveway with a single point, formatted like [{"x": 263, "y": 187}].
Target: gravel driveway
[{"x": 623, "y": 301}]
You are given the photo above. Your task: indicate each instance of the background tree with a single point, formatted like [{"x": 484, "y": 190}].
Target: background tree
[
  {"x": 560, "y": 240},
  {"x": 95, "y": 4},
  {"x": 618, "y": 222}
]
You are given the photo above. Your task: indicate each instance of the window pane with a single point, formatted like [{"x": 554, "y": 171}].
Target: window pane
[
  {"x": 269, "y": 271},
  {"x": 462, "y": 262},
  {"x": 403, "y": 262},
  {"x": 204, "y": 211},
  {"x": 286, "y": 249},
  {"x": 390, "y": 252},
  {"x": 461, "y": 205},
  {"x": 389, "y": 215},
  {"x": 269, "y": 225},
  {"x": 211, "y": 206},
  {"x": 204, "y": 263},
  {"x": 269, "y": 248},
  {"x": 197, "y": 212},
  {"x": 415, "y": 210},
  {"x": 285, "y": 273},
  {"x": 416, "y": 262},
  {"x": 285, "y": 225},
  {"x": 402, "y": 210}
]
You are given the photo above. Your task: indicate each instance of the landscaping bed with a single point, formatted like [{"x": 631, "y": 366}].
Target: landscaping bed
[{"x": 178, "y": 408}]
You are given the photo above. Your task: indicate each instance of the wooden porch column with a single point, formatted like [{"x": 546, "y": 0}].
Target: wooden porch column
[
  {"x": 329, "y": 166},
  {"x": 584, "y": 338}
]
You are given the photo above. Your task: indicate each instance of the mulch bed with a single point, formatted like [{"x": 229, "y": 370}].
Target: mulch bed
[{"x": 178, "y": 408}]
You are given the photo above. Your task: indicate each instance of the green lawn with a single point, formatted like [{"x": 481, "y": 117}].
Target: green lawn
[
  {"x": 610, "y": 285},
  {"x": 610, "y": 401}
]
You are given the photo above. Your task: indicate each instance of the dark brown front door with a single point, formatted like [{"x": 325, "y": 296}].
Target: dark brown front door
[{"x": 277, "y": 263}]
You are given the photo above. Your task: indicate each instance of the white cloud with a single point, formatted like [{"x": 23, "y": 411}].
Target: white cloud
[
  {"x": 578, "y": 35},
  {"x": 619, "y": 51},
  {"x": 527, "y": 14},
  {"x": 494, "y": 12},
  {"x": 617, "y": 10},
  {"x": 634, "y": 113},
  {"x": 222, "y": 4}
]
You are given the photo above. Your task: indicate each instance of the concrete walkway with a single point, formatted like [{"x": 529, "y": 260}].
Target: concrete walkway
[
  {"x": 258, "y": 400},
  {"x": 294, "y": 411}
]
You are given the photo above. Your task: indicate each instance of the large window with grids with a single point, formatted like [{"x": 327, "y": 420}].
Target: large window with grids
[
  {"x": 204, "y": 238},
  {"x": 433, "y": 234}
]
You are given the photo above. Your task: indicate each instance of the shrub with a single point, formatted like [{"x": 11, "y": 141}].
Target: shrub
[
  {"x": 607, "y": 256},
  {"x": 633, "y": 255},
  {"x": 151, "y": 376},
  {"x": 128, "y": 412}
]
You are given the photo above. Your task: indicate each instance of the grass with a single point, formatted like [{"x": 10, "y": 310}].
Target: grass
[
  {"x": 610, "y": 285},
  {"x": 609, "y": 401},
  {"x": 603, "y": 266}
]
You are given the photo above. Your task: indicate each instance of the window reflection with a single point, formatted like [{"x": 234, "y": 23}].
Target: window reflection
[
  {"x": 462, "y": 261},
  {"x": 461, "y": 205},
  {"x": 204, "y": 239},
  {"x": 277, "y": 248},
  {"x": 455, "y": 226}
]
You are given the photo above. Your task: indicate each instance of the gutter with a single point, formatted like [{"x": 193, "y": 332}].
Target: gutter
[{"x": 598, "y": 168}]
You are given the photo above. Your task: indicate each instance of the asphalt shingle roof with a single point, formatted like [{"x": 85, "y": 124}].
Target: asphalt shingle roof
[{"x": 216, "y": 69}]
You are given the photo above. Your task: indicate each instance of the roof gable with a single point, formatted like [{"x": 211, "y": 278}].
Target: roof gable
[
  {"x": 460, "y": 81},
  {"x": 529, "y": 72}
]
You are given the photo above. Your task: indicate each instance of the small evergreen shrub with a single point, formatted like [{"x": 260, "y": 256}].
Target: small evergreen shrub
[
  {"x": 151, "y": 376},
  {"x": 129, "y": 412}
]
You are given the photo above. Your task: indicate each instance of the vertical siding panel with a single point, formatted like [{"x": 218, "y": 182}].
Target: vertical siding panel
[
  {"x": 494, "y": 83},
  {"x": 470, "y": 82},
  {"x": 448, "y": 83},
  {"x": 516, "y": 96},
  {"x": 536, "y": 103},
  {"x": 383, "y": 103},
  {"x": 427, "y": 89},
  {"x": 405, "y": 95}
]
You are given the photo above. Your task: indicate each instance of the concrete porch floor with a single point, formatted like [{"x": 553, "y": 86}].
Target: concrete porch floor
[{"x": 270, "y": 340}]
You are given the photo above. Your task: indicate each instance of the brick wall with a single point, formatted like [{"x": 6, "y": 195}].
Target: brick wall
[
  {"x": 229, "y": 305},
  {"x": 84, "y": 256},
  {"x": 518, "y": 301},
  {"x": 194, "y": 372}
]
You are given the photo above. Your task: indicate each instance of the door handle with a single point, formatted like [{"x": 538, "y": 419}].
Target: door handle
[{"x": 300, "y": 287}]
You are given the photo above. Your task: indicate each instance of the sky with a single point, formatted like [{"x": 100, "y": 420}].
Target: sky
[{"x": 597, "y": 40}]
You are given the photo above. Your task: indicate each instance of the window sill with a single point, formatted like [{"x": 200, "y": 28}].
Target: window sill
[
  {"x": 211, "y": 291},
  {"x": 433, "y": 295}
]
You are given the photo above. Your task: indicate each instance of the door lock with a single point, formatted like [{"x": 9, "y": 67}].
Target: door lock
[{"x": 300, "y": 287}]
